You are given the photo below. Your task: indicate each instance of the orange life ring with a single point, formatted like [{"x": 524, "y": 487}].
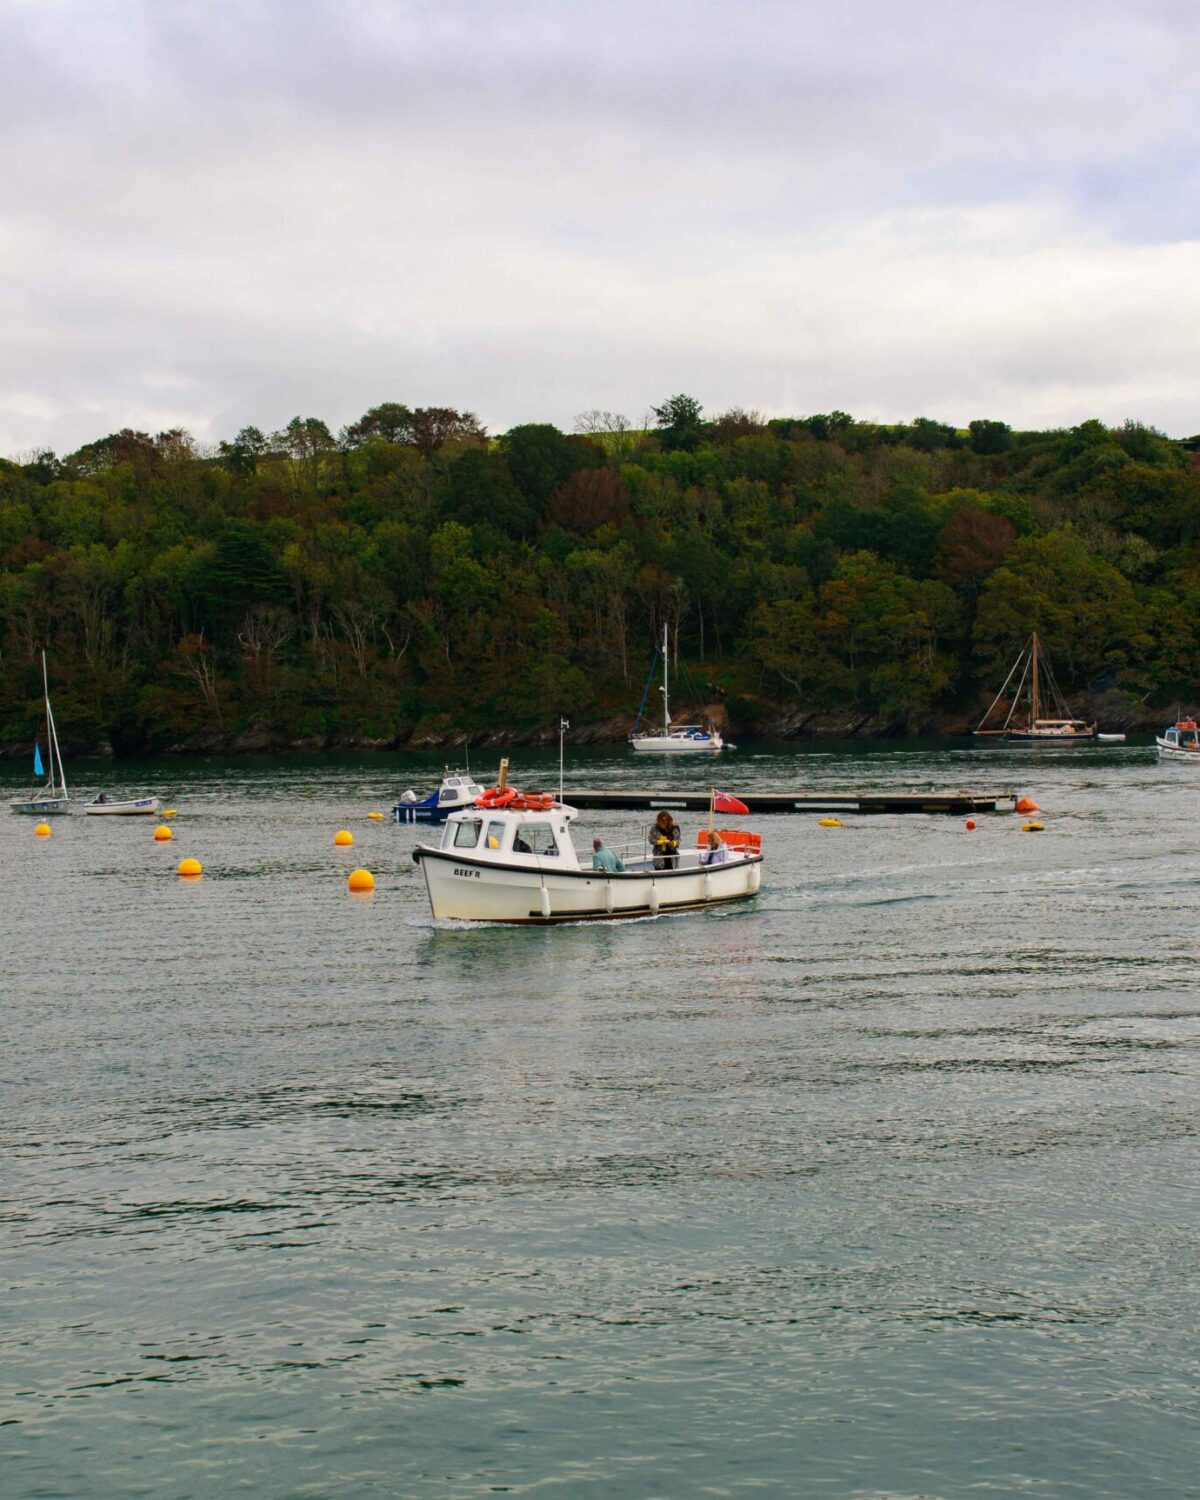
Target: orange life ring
[{"x": 494, "y": 797}]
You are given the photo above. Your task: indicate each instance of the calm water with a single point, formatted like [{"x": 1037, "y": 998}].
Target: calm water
[{"x": 886, "y": 1184}]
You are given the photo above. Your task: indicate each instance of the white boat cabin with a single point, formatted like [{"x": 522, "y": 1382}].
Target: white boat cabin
[
  {"x": 1183, "y": 737},
  {"x": 512, "y": 837}
]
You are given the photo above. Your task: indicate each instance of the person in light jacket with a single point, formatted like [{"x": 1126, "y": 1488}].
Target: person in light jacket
[
  {"x": 717, "y": 852},
  {"x": 605, "y": 859}
]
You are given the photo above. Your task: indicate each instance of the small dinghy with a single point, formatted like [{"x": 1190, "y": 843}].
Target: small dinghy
[
  {"x": 510, "y": 858},
  {"x": 132, "y": 807}
]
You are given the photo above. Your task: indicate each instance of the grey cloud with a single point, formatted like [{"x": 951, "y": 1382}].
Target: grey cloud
[{"x": 217, "y": 214}]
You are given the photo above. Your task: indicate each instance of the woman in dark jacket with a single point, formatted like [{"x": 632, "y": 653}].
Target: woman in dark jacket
[{"x": 664, "y": 841}]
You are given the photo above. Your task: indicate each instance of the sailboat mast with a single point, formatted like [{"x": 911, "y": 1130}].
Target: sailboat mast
[
  {"x": 666, "y": 698},
  {"x": 52, "y": 737},
  {"x": 1033, "y": 722}
]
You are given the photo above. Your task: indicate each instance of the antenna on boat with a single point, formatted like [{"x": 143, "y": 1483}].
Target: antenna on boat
[{"x": 563, "y": 726}]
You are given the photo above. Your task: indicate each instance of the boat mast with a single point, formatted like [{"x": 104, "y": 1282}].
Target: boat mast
[
  {"x": 1033, "y": 721},
  {"x": 666, "y": 699},
  {"x": 52, "y": 737}
]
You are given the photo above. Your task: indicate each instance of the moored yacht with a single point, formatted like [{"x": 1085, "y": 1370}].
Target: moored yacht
[{"x": 672, "y": 739}]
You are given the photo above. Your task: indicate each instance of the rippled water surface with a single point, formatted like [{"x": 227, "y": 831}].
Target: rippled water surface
[{"x": 884, "y": 1184}]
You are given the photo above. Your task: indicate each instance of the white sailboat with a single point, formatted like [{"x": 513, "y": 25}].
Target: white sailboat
[
  {"x": 53, "y": 797},
  {"x": 674, "y": 739}
]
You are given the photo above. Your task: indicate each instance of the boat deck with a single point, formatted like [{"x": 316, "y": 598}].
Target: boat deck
[{"x": 960, "y": 803}]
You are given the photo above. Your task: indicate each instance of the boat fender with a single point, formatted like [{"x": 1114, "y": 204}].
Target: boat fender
[
  {"x": 755, "y": 878},
  {"x": 653, "y": 900},
  {"x": 608, "y": 895},
  {"x": 708, "y": 887},
  {"x": 545, "y": 902}
]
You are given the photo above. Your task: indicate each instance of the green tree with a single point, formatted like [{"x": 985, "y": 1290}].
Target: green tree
[{"x": 679, "y": 424}]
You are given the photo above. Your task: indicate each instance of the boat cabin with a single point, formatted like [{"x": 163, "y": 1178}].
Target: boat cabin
[
  {"x": 512, "y": 837},
  {"x": 1185, "y": 735}
]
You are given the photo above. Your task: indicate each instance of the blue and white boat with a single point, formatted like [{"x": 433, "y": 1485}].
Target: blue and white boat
[{"x": 455, "y": 793}]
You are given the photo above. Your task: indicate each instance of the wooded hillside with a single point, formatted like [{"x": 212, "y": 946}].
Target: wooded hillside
[{"x": 411, "y": 577}]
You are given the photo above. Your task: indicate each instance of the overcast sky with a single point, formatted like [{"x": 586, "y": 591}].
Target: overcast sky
[{"x": 221, "y": 212}]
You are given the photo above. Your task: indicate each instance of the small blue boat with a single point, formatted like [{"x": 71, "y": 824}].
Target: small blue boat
[{"x": 455, "y": 792}]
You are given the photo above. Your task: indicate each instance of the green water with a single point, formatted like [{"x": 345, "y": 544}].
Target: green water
[{"x": 884, "y": 1184}]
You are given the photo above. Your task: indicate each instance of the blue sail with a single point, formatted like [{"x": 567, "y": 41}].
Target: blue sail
[{"x": 38, "y": 768}]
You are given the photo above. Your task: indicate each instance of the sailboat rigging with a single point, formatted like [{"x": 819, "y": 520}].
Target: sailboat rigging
[
  {"x": 53, "y": 797},
  {"x": 1025, "y": 723},
  {"x": 672, "y": 738}
]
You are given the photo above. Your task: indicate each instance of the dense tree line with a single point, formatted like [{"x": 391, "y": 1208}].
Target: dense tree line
[{"x": 412, "y": 575}]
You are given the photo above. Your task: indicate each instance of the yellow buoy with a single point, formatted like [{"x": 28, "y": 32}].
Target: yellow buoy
[
  {"x": 361, "y": 880},
  {"x": 43, "y": 830},
  {"x": 343, "y": 838},
  {"x": 375, "y": 817},
  {"x": 832, "y": 823},
  {"x": 190, "y": 868},
  {"x": 162, "y": 834},
  {"x": 1032, "y": 827},
  {"x": 170, "y": 813}
]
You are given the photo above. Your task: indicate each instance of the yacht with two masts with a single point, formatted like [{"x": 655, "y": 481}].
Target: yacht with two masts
[{"x": 1026, "y": 722}]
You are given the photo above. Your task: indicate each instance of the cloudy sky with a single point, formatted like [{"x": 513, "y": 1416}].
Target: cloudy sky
[{"x": 220, "y": 212}]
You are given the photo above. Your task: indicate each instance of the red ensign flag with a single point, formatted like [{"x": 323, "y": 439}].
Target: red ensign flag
[{"x": 723, "y": 802}]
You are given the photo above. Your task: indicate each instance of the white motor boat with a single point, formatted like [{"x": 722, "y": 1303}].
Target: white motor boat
[
  {"x": 1180, "y": 742},
  {"x": 673, "y": 739},
  {"x": 514, "y": 861},
  {"x": 132, "y": 807},
  {"x": 53, "y": 797}
]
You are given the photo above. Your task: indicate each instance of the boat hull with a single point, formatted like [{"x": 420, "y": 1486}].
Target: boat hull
[
  {"x": 658, "y": 744},
  {"x": 1175, "y": 753},
  {"x": 44, "y": 807},
  {"x": 143, "y": 807},
  {"x": 1019, "y": 737},
  {"x": 468, "y": 890}
]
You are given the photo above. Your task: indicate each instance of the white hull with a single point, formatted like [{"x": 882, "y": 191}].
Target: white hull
[
  {"x": 138, "y": 807},
  {"x": 474, "y": 890},
  {"x": 663, "y": 744},
  {"x": 41, "y": 807},
  {"x": 1174, "y": 753}
]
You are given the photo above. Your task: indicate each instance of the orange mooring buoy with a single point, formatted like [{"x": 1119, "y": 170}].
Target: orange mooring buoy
[
  {"x": 970, "y": 825},
  {"x": 1027, "y": 805}
]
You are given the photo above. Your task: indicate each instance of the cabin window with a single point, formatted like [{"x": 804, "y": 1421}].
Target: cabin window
[
  {"x": 495, "y": 836},
  {"x": 534, "y": 838},
  {"x": 466, "y": 833}
]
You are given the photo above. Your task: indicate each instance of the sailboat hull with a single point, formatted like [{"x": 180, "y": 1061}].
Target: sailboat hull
[
  {"x": 1034, "y": 737},
  {"x": 677, "y": 744},
  {"x": 41, "y": 807}
]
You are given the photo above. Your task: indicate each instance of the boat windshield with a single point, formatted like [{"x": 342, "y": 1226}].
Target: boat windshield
[
  {"x": 463, "y": 834},
  {"x": 534, "y": 838}
]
